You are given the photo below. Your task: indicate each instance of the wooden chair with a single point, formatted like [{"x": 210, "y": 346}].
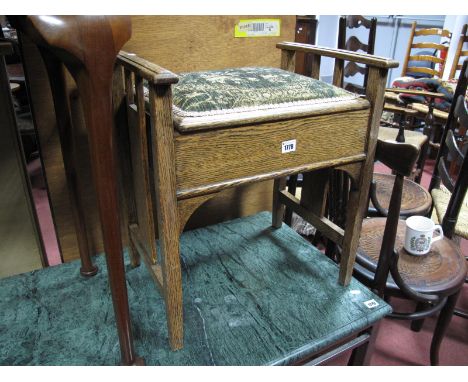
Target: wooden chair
[
  {"x": 350, "y": 69},
  {"x": 460, "y": 53},
  {"x": 339, "y": 181},
  {"x": 89, "y": 57},
  {"x": 306, "y": 33},
  {"x": 429, "y": 65},
  {"x": 449, "y": 193},
  {"x": 437, "y": 58},
  {"x": 415, "y": 199},
  {"x": 354, "y": 44},
  {"x": 207, "y": 148},
  {"x": 433, "y": 280}
]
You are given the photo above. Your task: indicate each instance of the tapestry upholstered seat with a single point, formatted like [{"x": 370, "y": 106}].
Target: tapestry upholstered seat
[{"x": 210, "y": 99}]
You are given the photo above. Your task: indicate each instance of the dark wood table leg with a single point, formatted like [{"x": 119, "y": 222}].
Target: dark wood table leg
[
  {"x": 55, "y": 70},
  {"x": 88, "y": 47},
  {"x": 361, "y": 356}
]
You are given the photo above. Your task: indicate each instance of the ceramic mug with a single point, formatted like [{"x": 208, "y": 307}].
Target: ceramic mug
[{"x": 419, "y": 234}]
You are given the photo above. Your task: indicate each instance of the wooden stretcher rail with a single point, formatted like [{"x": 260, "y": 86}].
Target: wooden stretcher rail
[
  {"x": 425, "y": 57},
  {"x": 433, "y": 31},
  {"x": 429, "y": 45},
  {"x": 418, "y": 69},
  {"x": 211, "y": 188},
  {"x": 325, "y": 226}
]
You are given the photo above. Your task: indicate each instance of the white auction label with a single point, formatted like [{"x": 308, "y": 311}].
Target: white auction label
[
  {"x": 288, "y": 146},
  {"x": 371, "y": 303}
]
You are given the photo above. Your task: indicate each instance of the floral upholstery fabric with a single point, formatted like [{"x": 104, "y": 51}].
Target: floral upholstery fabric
[
  {"x": 232, "y": 97},
  {"x": 240, "y": 89}
]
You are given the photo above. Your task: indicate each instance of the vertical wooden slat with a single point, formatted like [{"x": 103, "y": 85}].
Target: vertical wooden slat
[
  {"x": 370, "y": 45},
  {"x": 338, "y": 70},
  {"x": 129, "y": 86},
  {"x": 456, "y": 59},
  {"x": 278, "y": 207},
  {"x": 315, "y": 71},
  {"x": 167, "y": 208},
  {"x": 147, "y": 211},
  {"x": 288, "y": 60},
  {"x": 126, "y": 188},
  {"x": 315, "y": 190},
  {"x": 404, "y": 68}
]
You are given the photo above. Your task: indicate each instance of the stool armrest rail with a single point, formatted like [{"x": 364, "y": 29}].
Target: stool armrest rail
[
  {"x": 362, "y": 58},
  {"x": 151, "y": 72}
]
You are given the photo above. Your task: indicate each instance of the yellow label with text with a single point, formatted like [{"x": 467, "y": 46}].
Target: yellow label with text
[{"x": 258, "y": 28}]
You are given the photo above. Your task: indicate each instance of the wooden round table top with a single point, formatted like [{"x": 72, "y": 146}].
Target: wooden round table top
[
  {"x": 415, "y": 199},
  {"x": 442, "y": 269}
]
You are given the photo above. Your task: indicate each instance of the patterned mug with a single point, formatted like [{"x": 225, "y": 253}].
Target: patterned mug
[{"x": 419, "y": 231}]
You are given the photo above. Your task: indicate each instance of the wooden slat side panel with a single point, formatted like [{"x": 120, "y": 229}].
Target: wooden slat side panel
[
  {"x": 427, "y": 58},
  {"x": 430, "y": 45},
  {"x": 141, "y": 184},
  {"x": 216, "y": 156},
  {"x": 433, "y": 32},
  {"x": 417, "y": 69}
]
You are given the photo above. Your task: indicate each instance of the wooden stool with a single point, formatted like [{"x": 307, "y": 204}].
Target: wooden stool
[
  {"x": 416, "y": 200},
  {"x": 220, "y": 129}
]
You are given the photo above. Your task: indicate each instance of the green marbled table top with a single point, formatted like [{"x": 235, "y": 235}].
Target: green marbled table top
[{"x": 253, "y": 295}]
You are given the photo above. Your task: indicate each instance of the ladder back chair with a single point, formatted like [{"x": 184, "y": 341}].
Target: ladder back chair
[
  {"x": 416, "y": 200},
  {"x": 306, "y": 33},
  {"x": 433, "y": 281},
  {"x": 339, "y": 182},
  {"x": 344, "y": 69},
  {"x": 421, "y": 63},
  {"x": 354, "y": 44},
  {"x": 460, "y": 54},
  {"x": 186, "y": 148},
  {"x": 450, "y": 204},
  {"x": 435, "y": 62}
]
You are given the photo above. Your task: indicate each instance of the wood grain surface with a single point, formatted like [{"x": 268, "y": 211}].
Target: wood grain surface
[
  {"x": 415, "y": 200},
  {"x": 170, "y": 42},
  {"x": 192, "y": 43},
  {"x": 442, "y": 267},
  {"x": 208, "y": 157}
]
